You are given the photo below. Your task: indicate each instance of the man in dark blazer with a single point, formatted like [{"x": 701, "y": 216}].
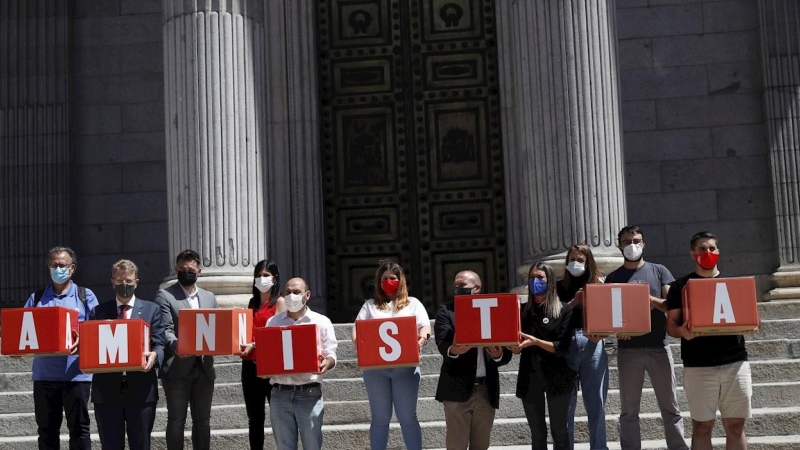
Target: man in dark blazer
[
  {"x": 128, "y": 399},
  {"x": 187, "y": 380},
  {"x": 469, "y": 382}
]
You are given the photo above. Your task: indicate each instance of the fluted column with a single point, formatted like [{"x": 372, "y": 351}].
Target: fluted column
[
  {"x": 215, "y": 131},
  {"x": 780, "y": 47},
  {"x": 294, "y": 217},
  {"x": 562, "y": 133},
  {"x": 35, "y": 172}
]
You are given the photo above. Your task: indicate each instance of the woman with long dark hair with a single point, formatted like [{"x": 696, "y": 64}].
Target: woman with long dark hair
[
  {"x": 265, "y": 303},
  {"x": 543, "y": 369},
  {"x": 396, "y": 386},
  {"x": 587, "y": 354}
]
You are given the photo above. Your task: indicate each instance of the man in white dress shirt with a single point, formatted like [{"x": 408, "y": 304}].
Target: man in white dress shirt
[{"x": 296, "y": 403}]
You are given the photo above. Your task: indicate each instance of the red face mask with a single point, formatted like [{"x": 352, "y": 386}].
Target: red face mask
[
  {"x": 707, "y": 260},
  {"x": 390, "y": 286}
]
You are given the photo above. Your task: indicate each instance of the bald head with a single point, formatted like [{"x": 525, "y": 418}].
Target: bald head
[
  {"x": 296, "y": 286},
  {"x": 468, "y": 279}
]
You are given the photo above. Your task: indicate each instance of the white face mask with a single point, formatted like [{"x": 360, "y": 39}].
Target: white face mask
[
  {"x": 294, "y": 302},
  {"x": 576, "y": 268},
  {"x": 263, "y": 284},
  {"x": 633, "y": 252}
]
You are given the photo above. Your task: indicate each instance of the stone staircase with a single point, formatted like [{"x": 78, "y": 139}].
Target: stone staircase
[{"x": 774, "y": 354}]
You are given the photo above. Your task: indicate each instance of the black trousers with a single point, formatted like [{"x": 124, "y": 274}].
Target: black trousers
[
  {"x": 115, "y": 421},
  {"x": 558, "y": 407},
  {"x": 51, "y": 399},
  {"x": 256, "y": 392}
]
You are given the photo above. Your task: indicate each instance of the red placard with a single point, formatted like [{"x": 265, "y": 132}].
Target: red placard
[
  {"x": 114, "y": 345},
  {"x": 720, "y": 305},
  {"x": 391, "y": 342},
  {"x": 487, "y": 319},
  {"x": 287, "y": 350},
  {"x": 38, "y": 331},
  {"x": 616, "y": 308},
  {"x": 211, "y": 331}
]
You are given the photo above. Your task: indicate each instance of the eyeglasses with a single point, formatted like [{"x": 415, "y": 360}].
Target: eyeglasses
[
  {"x": 59, "y": 266},
  {"x": 629, "y": 242}
]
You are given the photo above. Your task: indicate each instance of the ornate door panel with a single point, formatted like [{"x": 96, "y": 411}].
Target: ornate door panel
[{"x": 412, "y": 165}]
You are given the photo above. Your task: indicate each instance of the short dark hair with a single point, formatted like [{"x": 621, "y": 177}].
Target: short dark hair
[
  {"x": 703, "y": 235},
  {"x": 59, "y": 249},
  {"x": 188, "y": 255},
  {"x": 633, "y": 229}
]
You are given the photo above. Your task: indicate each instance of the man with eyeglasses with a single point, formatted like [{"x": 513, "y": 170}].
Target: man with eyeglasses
[
  {"x": 469, "y": 381},
  {"x": 648, "y": 353},
  {"x": 58, "y": 384},
  {"x": 125, "y": 402},
  {"x": 187, "y": 380}
]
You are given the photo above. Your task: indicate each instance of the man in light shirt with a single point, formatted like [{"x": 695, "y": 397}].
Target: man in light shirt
[
  {"x": 296, "y": 404},
  {"x": 187, "y": 380}
]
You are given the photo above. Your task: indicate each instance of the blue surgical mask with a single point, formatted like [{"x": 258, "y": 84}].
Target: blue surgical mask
[
  {"x": 59, "y": 275},
  {"x": 537, "y": 286}
]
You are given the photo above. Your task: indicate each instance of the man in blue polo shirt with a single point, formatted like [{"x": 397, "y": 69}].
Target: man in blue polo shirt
[{"x": 58, "y": 384}]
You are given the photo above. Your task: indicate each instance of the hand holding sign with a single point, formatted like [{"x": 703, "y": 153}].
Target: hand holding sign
[
  {"x": 151, "y": 360},
  {"x": 325, "y": 364}
]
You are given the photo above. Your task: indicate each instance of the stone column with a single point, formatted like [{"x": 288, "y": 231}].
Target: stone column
[
  {"x": 562, "y": 133},
  {"x": 780, "y": 50},
  {"x": 216, "y": 140},
  {"x": 35, "y": 169},
  {"x": 293, "y": 177}
]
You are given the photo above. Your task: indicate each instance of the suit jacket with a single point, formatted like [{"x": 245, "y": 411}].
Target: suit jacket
[
  {"x": 142, "y": 386},
  {"x": 457, "y": 376},
  {"x": 171, "y": 300}
]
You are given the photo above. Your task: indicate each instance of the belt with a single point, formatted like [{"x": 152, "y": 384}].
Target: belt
[
  {"x": 294, "y": 387},
  {"x": 480, "y": 380}
]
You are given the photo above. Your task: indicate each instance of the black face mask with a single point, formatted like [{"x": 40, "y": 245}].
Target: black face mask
[
  {"x": 124, "y": 290},
  {"x": 187, "y": 279},
  {"x": 462, "y": 290}
]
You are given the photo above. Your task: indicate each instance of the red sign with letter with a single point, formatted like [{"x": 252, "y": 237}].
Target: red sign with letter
[
  {"x": 114, "y": 345},
  {"x": 287, "y": 350},
  {"x": 720, "y": 305},
  {"x": 38, "y": 331},
  {"x": 616, "y": 308},
  {"x": 487, "y": 319},
  {"x": 211, "y": 331},
  {"x": 391, "y": 342}
]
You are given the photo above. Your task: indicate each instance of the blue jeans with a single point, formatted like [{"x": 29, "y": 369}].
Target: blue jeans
[
  {"x": 293, "y": 411},
  {"x": 591, "y": 363},
  {"x": 398, "y": 387}
]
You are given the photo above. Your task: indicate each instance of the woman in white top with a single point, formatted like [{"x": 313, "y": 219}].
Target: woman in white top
[{"x": 397, "y": 386}]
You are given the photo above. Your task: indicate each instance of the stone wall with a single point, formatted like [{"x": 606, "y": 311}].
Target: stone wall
[
  {"x": 121, "y": 200},
  {"x": 695, "y": 144}
]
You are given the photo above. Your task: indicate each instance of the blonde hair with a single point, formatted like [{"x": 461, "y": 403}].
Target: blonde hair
[{"x": 125, "y": 265}]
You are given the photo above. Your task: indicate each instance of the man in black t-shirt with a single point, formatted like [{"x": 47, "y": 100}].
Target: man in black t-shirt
[
  {"x": 716, "y": 373},
  {"x": 648, "y": 353}
]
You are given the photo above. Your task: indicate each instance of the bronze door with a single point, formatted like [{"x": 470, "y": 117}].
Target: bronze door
[{"x": 412, "y": 164}]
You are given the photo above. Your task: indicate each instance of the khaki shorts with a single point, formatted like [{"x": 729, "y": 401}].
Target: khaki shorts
[{"x": 727, "y": 388}]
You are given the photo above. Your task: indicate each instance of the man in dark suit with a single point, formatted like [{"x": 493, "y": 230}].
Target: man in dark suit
[
  {"x": 187, "y": 380},
  {"x": 128, "y": 399},
  {"x": 469, "y": 382}
]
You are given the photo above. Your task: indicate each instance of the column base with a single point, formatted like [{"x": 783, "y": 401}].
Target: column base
[
  {"x": 606, "y": 258},
  {"x": 788, "y": 280}
]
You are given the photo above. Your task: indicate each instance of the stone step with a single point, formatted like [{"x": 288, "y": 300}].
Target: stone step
[
  {"x": 229, "y": 368},
  {"x": 771, "y": 422},
  {"x": 428, "y": 410},
  {"x": 753, "y": 443},
  {"x": 788, "y": 309},
  {"x": 352, "y": 389}
]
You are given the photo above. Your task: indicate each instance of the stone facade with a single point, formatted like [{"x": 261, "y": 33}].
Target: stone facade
[{"x": 696, "y": 148}]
